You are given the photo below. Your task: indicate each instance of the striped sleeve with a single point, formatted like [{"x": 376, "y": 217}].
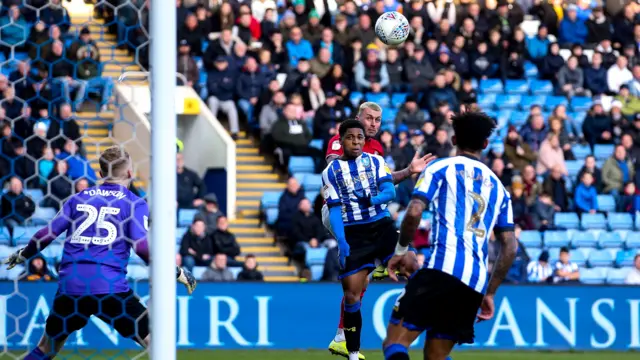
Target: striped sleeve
[
  {"x": 505, "y": 217},
  {"x": 330, "y": 187},
  {"x": 427, "y": 185},
  {"x": 382, "y": 170}
]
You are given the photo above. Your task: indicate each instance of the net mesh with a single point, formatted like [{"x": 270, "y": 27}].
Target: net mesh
[{"x": 60, "y": 63}]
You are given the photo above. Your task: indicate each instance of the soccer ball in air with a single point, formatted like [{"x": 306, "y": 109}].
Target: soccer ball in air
[{"x": 392, "y": 28}]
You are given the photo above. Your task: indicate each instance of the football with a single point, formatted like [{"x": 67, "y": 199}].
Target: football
[{"x": 392, "y": 28}]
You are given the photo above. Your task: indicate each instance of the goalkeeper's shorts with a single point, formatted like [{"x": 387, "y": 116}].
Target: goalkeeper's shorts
[{"x": 325, "y": 219}]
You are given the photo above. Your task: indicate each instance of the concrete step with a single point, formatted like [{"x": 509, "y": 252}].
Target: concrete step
[
  {"x": 257, "y": 176},
  {"x": 253, "y": 168},
  {"x": 290, "y": 278},
  {"x": 261, "y": 250},
  {"x": 260, "y": 185},
  {"x": 268, "y": 260}
]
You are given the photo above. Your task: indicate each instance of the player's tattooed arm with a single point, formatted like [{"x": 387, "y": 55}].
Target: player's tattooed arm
[
  {"x": 505, "y": 258},
  {"x": 418, "y": 163},
  {"x": 411, "y": 221},
  {"x": 399, "y": 176}
]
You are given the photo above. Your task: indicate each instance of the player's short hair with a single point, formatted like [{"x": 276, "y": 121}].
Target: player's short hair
[
  {"x": 114, "y": 163},
  {"x": 350, "y": 124},
  {"x": 472, "y": 129},
  {"x": 369, "y": 105}
]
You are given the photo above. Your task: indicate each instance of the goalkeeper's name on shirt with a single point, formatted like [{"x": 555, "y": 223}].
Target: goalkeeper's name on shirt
[{"x": 101, "y": 192}]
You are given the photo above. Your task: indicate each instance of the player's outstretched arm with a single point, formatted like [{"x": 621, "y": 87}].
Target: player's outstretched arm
[
  {"x": 404, "y": 259},
  {"x": 415, "y": 167},
  {"x": 187, "y": 279}
]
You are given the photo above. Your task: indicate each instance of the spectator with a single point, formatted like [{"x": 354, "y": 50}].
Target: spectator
[
  {"x": 618, "y": 74},
  {"x": 556, "y": 127},
  {"x": 221, "y": 83},
  {"x": 551, "y": 64},
  {"x": 617, "y": 171},
  {"x": 63, "y": 72},
  {"x": 586, "y": 195},
  {"x": 538, "y": 46},
  {"x": 534, "y": 132},
  {"x": 410, "y": 115},
  {"x": 633, "y": 277},
  {"x": 46, "y": 166},
  {"x": 482, "y": 66},
  {"x": 572, "y": 29},
  {"x": 518, "y": 152},
  {"x": 13, "y": 30},
  {"x": 512, "y": 67},
  {"x": 321, "y": 64},
  {"x": 441, "y": 93},
  {"x": 17, "y": 206},
  {"x": 551, "y": 156},
  {"x": 598, "y": 27},
  {"x": 521, "y": 209},
  {"x": 82, "y": 45},
  {"x": 288, "y": 205},
  {"x": 517, "y": 273},
  {"x": 555, "y": 185},
  {"x": 191, "y": 189},
  {"x": 539, "y": 271},
  {"x": 623, "y": 24},
  {"x": 327, "y": 117},
  {"x": 196, "y": 248},
  {"x": 292, "y": 137},
  {"x": 313, "y": 97},
  {"x": 268, "y": 117},
  {"x": 81, "y": 185},
  {"x": 371, "y": 74},
  {"x": 60, "y": 186},
  {"x": 597, "y": 126},
  {"x": 442, "y": 147},
  {"x": 571, "y": 79},
  {"x": 298, "y": 47},
  {"x": 79, "y": 166},
  {"x": 249, "y": 270},
  {"x": 69, "y": 128},
  {"x": 565, "y": 270},
  {"x": 634, "y": 84},
  {"x": 187, "y": 65},
  {"x": 223, "y": 46},
  {"x": 591, "y": 168},
  {"x": 218, "y": 270},
  {"x": 629, "y": 200},
  {"x": 225, "y": 242},
  {"x": 543, "y": 213},
  {"x": 56, "y": 14},
  {"x": 630, "y": 104},
  {"x": 306, "y": 228},
  {"x": 595, "y": 76},
  {"x": 22, "y": 165},
  {"x": 210, "y": 212},
  {"x": 503, "y": 173},
  {"x": 249, "y": 86},
  {"x": 298, "y": 79},
  {"x": 38, "y": 270},
  {"x": 418, "y": 70},
  {"x": 37, "y": 38}
]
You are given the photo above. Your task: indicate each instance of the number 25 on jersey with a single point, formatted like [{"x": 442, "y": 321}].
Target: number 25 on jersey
[{"x": 98, "y": 218}]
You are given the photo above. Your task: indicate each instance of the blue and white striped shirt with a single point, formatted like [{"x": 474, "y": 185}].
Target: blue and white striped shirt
[
  {"x": 536, "y": 272},
  {"x": 343, "y": 179},
  {"x": 468, "y": 201}
]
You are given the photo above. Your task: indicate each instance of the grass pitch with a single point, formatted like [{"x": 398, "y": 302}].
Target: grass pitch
[{"x": 324, "y": 355}]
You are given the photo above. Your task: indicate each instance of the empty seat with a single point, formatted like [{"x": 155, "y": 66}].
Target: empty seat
[
  {"x": 567, "y": 220},
  {"x": 625, "y": 257},
  {"x": 53, "y": 252},
  {"x": 316, "y": 143},
  {"x": 617, "y": 276},
  {"x": 600, "y": 258},
  {"x": 579, "y": 257},
  {"x": 530, "y": 70},
  {"x": 608, "y": 240},
  {"x": 311, "y": 195},
  {"x": 507, "y": 101},
  {"x": 198, "y": 271},
  {"x": 381, "y": 99},
  {"x": 533, "y": 253},
  {"x": 581, "y": 103},
  {"x": 22, "y": 235},
  {"x": 5, "y": 238},
  {"x": 516, "y": 87},
  {"x": 316, "y": 256},
  {"x": 632, "y": 240},
  {"x": 271, "y": 216},
  {"x": 35, "y": 194},
  {"x": 606, "y": 203},
  {"x": 593, "y": 276},
  {"x": 526, "y": 102},
  {"x": 185, "y": 216},
  {"x": 134, "y": 259},
  {"x": 13, "y": 274},
  {"x": 593, "y": 221},
  {"x": 301, "y": 164},
  {"x": 270, "y": 199},
  {"x": 541, "y": 87},
  {"x": 397, "y": 99},
  {"x": 355, "y": 97},
  {"x": 581, "y": 151},
  {"x": 316, "y": 272},
  {"x": 620, "y": 221},
  {"x": 309, "y": 181},
  {"x": 573, "y": 167},
  {"x": 6, "y": 251},
  {"x": 556, "y": 238},
  {"x": 43, "y": 215},
  {"x": 389, "y": 115},
  {"x": 519, "y": 118},
  {"x": 491, "y": 86},
  {"x": 137, "y": 272},
  {"x": 554, "y": 255},
  {"x": 603, "y": 151},
  {"x": 583, "y": 239},
  {"x": 486, "y": 101},
  {"x": 531, "y": 239},
  {"x": 552, "y": 101}
]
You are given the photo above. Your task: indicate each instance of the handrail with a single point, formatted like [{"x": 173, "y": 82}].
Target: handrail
[{"x": 145, "y": 74}]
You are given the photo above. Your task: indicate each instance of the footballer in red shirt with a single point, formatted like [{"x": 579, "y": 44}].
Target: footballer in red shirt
[{"x": 370, "y": 115}]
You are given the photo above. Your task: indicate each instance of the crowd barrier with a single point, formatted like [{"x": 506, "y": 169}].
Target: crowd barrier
[{"x": 305, "y": 316}]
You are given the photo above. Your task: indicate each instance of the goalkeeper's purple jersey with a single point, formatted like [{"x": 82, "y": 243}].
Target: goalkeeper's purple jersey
[{"x": 103, "y": 224}]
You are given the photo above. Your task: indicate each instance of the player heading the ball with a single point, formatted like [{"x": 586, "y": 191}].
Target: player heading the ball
[{"x": 103, "y": 224}]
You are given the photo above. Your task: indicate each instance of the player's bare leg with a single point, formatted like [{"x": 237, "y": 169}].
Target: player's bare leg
[
  {"x": 353, "y": 286},
  {"x": 438, "y": 349},
  {"x": 47, "y": 348},
  {"x": 396, "y": 345}
]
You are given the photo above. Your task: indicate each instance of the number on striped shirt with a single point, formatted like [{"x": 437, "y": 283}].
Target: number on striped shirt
[{"x": 475, "y": 217}]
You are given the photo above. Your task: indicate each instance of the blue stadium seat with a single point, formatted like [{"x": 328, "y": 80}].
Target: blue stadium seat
[
  {"x": 491, "y": 86},
  {"x": 312, "y": 182},
  {"x": 53, "y": 252},
  {"x": 617, "y": 276},
  {"x": 606, "y": 203},
  {"x": 603, "y": 151},
  {"x": 507, "y": 101},
  {"x": 198, "y": 271},
  {"x": 534, "y": 253},
  {"x": 316, "y": 256},
  {"x": 12, "y": 274},
  {"x": 486, "y": 101},
  {"x": 531, "y": 239},
  {"x": 301, "y": 164},
  {"x": 311, "y": 195},
  {"x": 583, "y": 239},
  {"x": 581, "y": 151},
  {"x": 516, "y": 87},
  {"x": 528, "y": 101},
  {"x": 620, "y": 221},
  {"x": 381, "y": 99},
  {"x": 573, "y": 167},
  {"x": 579, "y": 258},
  {"x": 554, "y": 255},
  {"x": 581, "y": 103},
  {"x": 185, "y": 216},
  {"x": 502, "y": 117},
  {"x": 600, "y": 258},
  {"x": 35, "y": 194},
  {"x": 625, "y": 257},
  {"x": 389, "y": 115},
  {"x": 608, "y": 240},
  {"x": 397, "y": 99},
  {"x": 317, "y": 272},
  {"x": 272, "y": 216},
  {"x": 530, "y": 70},
  {"x": 6, "y": 251},
  {"x": 22, "y": 235},
  {"x": 355, "y": 97},
  {"x": 567, "y": 220},
  {"x": 632, "y": 241},
  {"x": 43, "y": 215},
  {"x": 235, "y": 271},
  {"x": 579, "y": 117},
  {"x": 134, "y": 259},
  {"x": 316, "y": 143},
  {"x": 519, "y": 118},
  {"x": 541, "y": 87},
  {"x": 593, "y": 276},
  {"x": 558, "y": 238},
  {"x": 5, "y": 238},
  {"x": 180, "y": 231},
  {"x": 137, "y": 272},
  {"x": 593, "y": 221},
  {"x": 552, "y": 101}
]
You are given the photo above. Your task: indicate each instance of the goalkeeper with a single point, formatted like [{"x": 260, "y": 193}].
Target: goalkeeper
[{"x": 103, "y": 224}]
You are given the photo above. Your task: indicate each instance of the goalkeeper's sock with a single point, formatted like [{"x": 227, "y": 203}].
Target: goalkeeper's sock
[
  {"x": 37, "y": 354},
  {"x": 352, "y": 326},
  {"x": 396, "y": 352}
]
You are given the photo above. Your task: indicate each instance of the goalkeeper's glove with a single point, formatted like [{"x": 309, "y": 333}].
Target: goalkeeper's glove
[
  {"x": 186, "y": 278},
  {"x": 15, "y": 259}
]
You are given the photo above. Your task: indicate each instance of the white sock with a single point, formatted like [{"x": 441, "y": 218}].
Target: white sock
[
  {"x": 339, "y": 336},
  {"x": 354, "y": 355}
]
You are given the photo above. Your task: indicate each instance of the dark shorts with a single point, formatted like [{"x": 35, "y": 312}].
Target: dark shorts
[
  {"x": 122, "y": 311},
  {"x": 368, "y": 243},
  {"x": 440, "y": 304}
]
